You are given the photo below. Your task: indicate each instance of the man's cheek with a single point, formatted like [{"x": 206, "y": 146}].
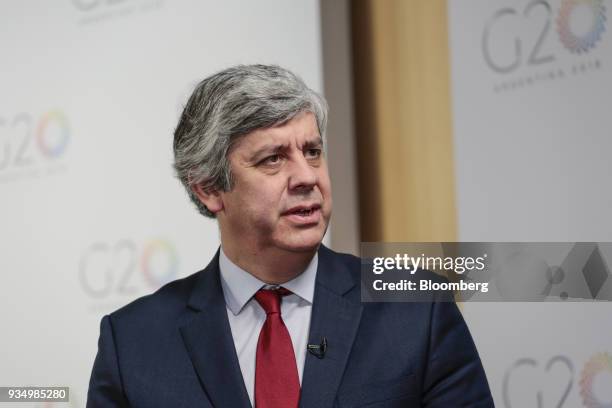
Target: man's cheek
[{"x": 265, "y": 214}]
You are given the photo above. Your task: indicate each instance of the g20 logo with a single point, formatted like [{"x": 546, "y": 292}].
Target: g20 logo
[
  {"x": 574, "y": 42},
  {"x": 581, "y": 43},
  {"x": 27, "y": 141},
  {"x": 523, "y": 363},
  {"x": 598, "y": 364},
  {"x": 87, "y": 5},
  {"x": 111, "y": 268}
]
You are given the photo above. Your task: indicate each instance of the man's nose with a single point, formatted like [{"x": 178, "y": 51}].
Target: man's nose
[{"x": 302, "y": 175}]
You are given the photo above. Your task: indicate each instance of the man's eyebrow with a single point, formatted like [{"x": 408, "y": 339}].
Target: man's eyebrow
[
  {"x": 277, "y": 147},
  {"x": 315, "y": 142},
  {"x": 267, "y": 148}
]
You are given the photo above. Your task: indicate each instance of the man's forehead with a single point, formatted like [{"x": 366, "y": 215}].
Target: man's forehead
[{"x": 264, "y": 141}]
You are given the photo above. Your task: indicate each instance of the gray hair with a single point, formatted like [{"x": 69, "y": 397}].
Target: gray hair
[{"x": 227, "y": 106}]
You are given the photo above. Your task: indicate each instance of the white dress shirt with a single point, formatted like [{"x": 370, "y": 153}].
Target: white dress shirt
[{"x": 246, "y": 316}]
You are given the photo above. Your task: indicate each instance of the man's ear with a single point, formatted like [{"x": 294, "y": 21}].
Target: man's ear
[{"x": 210, "y": 197}]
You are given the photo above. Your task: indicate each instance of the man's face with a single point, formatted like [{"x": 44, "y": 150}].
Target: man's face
[{"x": 281, "y": 196}]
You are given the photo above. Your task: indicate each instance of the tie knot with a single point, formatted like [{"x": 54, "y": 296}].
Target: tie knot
[{"x": 269, "y": 299}]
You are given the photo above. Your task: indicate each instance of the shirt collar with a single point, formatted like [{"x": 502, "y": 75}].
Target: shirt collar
[{"x": 239, "y": 286}]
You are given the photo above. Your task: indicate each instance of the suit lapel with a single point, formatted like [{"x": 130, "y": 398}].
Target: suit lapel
[
  {"x": 210, "y": 345},
  {"x": 336, "y": 318}
]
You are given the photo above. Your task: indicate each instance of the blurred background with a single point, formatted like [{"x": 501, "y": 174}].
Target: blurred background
[{"x": 458, "y": 120}]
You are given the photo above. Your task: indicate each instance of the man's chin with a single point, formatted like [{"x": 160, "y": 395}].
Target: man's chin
[
  {"x": 305, "y": 244},
  {"x": 305, "y": 248},
  {"x": 301, "y": 239}
]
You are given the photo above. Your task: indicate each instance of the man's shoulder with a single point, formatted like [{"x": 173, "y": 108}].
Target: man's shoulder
[
  {"x": 174, "y": 296},
  {"x": 347, "y": 260},
  {"x": 169, "y": 301}
]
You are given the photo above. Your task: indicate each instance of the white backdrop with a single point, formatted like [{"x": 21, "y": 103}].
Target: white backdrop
[
  {"x": 532, "y": 91},
  {"x": 92, "y": 216}
]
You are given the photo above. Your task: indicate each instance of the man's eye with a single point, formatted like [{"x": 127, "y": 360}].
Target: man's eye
[
  {"x": 274, "y": 159},
  {"x": 313, "y": 153}
]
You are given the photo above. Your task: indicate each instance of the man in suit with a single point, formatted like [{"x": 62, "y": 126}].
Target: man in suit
[{"x": 276, "y": 318}]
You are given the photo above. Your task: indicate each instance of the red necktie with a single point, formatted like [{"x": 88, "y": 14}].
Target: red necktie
[{"x": 277, "y": 384}]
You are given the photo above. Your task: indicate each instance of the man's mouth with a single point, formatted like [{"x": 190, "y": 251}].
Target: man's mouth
[
  {"x": 304, "y": 214},
  {"x": 303, "y": 210}
]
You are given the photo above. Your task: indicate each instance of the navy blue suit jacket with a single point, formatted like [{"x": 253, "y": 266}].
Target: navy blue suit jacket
[{"x": 174, "y": 348}]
